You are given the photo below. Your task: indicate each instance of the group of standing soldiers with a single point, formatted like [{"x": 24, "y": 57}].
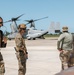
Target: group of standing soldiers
[
  {"x": 21, "y": 51},
  {"x": 64, "y": 45}
]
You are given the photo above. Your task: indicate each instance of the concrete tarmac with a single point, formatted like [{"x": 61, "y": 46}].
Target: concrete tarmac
[{"x": 43, "y": 57}]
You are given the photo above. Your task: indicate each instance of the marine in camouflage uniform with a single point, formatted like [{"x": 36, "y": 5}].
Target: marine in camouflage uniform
[
  {"x": 3, "y": 42},
  {"x": 71, "y": 61},
  {"x": 21, "y": 51},
  {"x": 64, "y": 45}
]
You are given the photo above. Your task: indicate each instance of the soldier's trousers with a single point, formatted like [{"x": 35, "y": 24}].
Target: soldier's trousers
[
  {"x": 21, "y": 63},
  {"x": 65, "y": 57},
  {"x": 2, "y": 67}
]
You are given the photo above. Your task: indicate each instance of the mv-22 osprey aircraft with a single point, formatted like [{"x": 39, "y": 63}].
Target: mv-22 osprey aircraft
[{"x": 31, "y": 33}]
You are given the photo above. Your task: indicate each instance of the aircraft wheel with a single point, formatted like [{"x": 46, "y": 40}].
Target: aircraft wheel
[
  {"x": 29, "y": 39},
  {"x": 9, "y": 39},
  {"x": 34, "y": 38}
]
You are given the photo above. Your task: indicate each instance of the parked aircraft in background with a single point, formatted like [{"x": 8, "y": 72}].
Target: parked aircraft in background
[
  {"x": 31, "y": 33},
  {"x": 34, "y": 33}
]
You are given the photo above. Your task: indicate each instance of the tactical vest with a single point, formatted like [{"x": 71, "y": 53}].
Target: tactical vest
[{"x": 1, "y": 38}]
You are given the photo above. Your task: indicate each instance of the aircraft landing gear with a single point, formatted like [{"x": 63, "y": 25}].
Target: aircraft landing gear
[
  {"x": 42, "y": 37},
  {"x": 34, "y": 38}
]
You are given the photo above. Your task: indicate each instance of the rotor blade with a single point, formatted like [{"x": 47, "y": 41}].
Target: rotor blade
[
  {"x": 18, "y": 20},
  {"x": 7, "y": 21},
  {"x": 14, "y": 19},
  {"x": 30, "y": 21},
  {"x": 27, "y": 23},
  {"x": 41, "y": 18},
  {"x": 19, "y": 16},
  {"x": 27, "y": 20}
]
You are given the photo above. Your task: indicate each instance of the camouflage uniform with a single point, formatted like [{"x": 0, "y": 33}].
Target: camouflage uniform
[
  {"x": 2, "y": 67},
  {"x": 2, "y": 45},
  {"x": 21, "y": 53},
  {"x": 71, "y": 61},
  {"x": 65, "y": 40}
]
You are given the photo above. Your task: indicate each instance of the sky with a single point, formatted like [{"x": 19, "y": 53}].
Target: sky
[{"x": 58, "y": 11}]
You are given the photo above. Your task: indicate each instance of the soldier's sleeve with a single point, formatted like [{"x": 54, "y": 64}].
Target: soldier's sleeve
[
  {"x": 59, "y": 40},
  {"x": 73, "y": 41},
  {"x": 25, "y": 47}
]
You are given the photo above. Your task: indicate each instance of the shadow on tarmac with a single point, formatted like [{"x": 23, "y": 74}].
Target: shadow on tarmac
[{"x": 69, "y": 71}]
